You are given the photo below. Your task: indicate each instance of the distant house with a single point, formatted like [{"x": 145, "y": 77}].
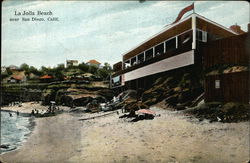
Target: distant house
[
  {"x": 3, "y": 69},
  {"x": 46, "y": 78},
  {"x": 16, "y": 79},
  {"x": 93, "y": 62},
  {"x": 32, "y": 76},
  {"x": 71, "y": 63},
  {"x": 13, "y": 68}
]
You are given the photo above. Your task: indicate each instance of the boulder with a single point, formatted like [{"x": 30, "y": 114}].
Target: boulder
[
  {"x": 67, "y": 100},
  {"x": 101, "y": 99},
  {"x": 4, "y": 146},
  {"x": 151, "y": 101},
  {"x": 82, "y": 101},
  {"x": 47, "y": 96},
  {"x": 170, "y": 82},
  {"x": 160, "y": 80},
  {"x": 172, "y": 100},
  {"x": 107, "y": 93}
]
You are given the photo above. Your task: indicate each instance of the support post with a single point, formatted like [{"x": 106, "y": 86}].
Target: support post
[
  {"x": 153, "y": 51},
  {"x": 176, "y": 42},
  {"x": 164, "y": 43},
  {"x": 194, "y": 31}
]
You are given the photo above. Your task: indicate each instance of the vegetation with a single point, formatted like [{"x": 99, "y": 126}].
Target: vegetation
[
  {"x": 7, "y": 73},
  {"x": 60, "y": 71}
]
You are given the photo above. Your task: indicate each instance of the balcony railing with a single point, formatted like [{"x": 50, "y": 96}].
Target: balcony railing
[{"x": 181, "y": 49}]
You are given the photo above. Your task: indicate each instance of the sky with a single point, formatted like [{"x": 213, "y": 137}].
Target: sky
[{"x": 101, "y": 30}]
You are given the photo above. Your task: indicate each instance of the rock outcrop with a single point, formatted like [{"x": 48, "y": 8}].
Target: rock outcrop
[{"x": 178, "y": 91}]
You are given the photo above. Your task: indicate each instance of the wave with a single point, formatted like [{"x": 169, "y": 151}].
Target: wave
[{"x": 15, "y": 130}]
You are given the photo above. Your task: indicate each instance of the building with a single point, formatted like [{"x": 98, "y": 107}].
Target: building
[
  {"x": 46, "y": 78},
  {"x": 13, "y": 68},
  {"x": 71, "y": 63},
  {"x": 227, "y": 62},
  {"x": 93, "y": 62},
  {"x": 177, "y": 46},
  {"x": 3, "y": 69},
  {"x": 16, "y": 79}
]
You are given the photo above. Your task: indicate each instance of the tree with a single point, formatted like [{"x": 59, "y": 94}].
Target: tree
[
  {"x": 60, "y": 67},
  {"x": 9, "y": 72},
  {"x": 107, "y": 67},
  {"x": 84, "y": 67},
  {"x": 44, "y": 70},
  {"x": 24, "y": 67},
  {"x": 58, "y": 74},
  {"x": 33, "y": 70},
  {"x": 103, "y": 73},
  {"x": 92, "y": 69}
]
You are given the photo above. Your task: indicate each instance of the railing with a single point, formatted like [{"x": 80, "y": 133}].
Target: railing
[{"x": 181, "y": 49}]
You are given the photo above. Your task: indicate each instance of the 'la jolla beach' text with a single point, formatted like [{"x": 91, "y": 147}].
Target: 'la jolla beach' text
[
  {"x": 26, "y": 13},
  {"x": 35, "y": 16}
]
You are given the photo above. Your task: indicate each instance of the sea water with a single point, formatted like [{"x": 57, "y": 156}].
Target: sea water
[{"x": 14, "y": 130}]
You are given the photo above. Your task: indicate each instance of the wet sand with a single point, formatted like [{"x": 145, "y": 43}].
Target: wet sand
[
  {"x": 172, "y": 137},
  {"x": 27, "y": 107}
]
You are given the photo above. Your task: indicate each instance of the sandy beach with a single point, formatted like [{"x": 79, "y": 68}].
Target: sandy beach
[{"x": 171, "y": 137}]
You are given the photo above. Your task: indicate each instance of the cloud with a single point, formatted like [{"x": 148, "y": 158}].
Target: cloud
[{"x": 101, "y": 30}]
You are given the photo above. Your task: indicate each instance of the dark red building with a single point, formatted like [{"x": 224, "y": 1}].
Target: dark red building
[{"x": 178, "y": 46}]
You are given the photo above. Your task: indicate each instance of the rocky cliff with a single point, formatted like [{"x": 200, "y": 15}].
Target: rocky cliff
[{"x": 69, "y": 94}]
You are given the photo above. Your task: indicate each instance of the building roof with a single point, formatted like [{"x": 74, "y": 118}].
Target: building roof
[
  {"x": 93, "y": 61},
  {"x": 72, "y": 60},
  {"x": 46, "y": 77},
  {"x": 13, "y": 67},
  {"x": 17, "y": 77},
  {"x": 172, "y": 28},
  {"x": 236, "y": 28}
]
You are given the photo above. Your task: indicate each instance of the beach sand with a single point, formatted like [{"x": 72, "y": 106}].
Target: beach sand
[
  {"x": 27, "y": 107},
  {"x": 171, "y": 137}
]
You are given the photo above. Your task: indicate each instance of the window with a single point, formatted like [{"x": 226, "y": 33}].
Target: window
[
  {"x": 116, "y": 80},
  {"x": 185, "y": 38},
  {"x": 149, "y": 54},
  {"x": 140, "y": 58},
  {"x": 133, "y": 61},
  {"x": 127, "y": 64},
  {"x": 217, "y": 84},
  {"x": 201, "y": 35},
  {"x": 159, "y": 49},
  {"x": 211, "y": 36},
  {"x": 170, "y": 44}
]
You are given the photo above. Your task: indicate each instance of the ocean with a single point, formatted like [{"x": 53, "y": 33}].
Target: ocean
[{"x": 14, "y": 130}]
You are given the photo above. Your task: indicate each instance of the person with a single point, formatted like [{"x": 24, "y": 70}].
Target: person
[
  {"x": 10, "y": 114},
  {"x": 17, "y": 113},
  {"x": 114, "y": 99},
  {"x": 32, "y": 112},
  {"x": 49, "y": 109}
]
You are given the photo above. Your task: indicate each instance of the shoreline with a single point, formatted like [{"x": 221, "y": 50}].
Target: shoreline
[
  {"x": 14, "y": 112},
  {"x": 172, "y": 137},
  {"x": 18, "y": 144}
]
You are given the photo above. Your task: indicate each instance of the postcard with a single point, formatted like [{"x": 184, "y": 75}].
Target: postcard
[{"x": 125, "y": 81}]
